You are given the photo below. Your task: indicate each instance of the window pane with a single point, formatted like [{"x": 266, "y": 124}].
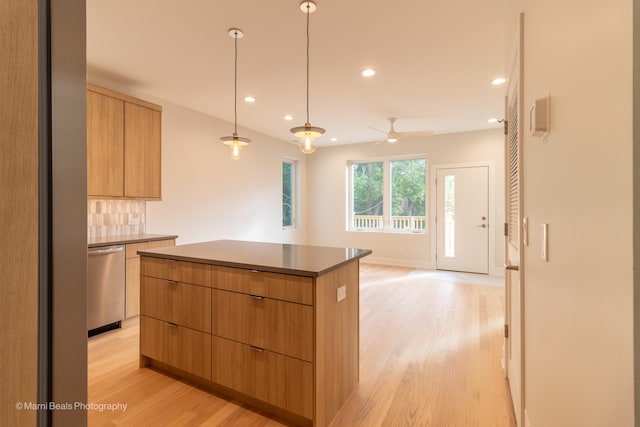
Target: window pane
[
  {"x": 367, "y": 181},
  {"x": 449, "y": 215},
  {"x": 408, "y": 195},
  {"x": 287, "y": 194}
]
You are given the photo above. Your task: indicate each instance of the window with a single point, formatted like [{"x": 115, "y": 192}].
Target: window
[
  {"x": 388, "y": 195},
  {"x": 449, "y": 215},
  {"x": 288, "y": 193}
]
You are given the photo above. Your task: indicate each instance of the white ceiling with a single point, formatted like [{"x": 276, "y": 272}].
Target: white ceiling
[{"x": 434, "y": 60}]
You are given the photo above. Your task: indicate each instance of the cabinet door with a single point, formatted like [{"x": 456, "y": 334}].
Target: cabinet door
[
  {"x": 279, "y": 326},
  {"x": 175, "y": 345},
  {"x": 105, "y": 145},
  {"x": 282, "y": 381},
  {"x": 132, "y": 301},
  {"x": 142, "y": 144},
  {"x": 175, "y": 302},
  {"x": 132, "y": 295}
]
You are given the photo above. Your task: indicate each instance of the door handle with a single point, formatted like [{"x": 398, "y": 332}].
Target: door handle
[
  {"x": 511, "y": 267},
  {"x": 106, "y": 251},
  {"x": 483, "y": 225}
]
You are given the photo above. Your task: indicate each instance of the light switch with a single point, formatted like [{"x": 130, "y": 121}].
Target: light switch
[
  {"x": 341, "y": 293},
  {"x": 544, "y": 250},
  {"x": 539, "y": 118}
]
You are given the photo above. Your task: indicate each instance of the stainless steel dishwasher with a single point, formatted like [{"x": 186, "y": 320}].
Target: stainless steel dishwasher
[{"x": 106, "y": 288}]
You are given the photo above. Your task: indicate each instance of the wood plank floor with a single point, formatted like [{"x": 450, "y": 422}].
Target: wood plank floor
[{"x": 430, "y": 348}]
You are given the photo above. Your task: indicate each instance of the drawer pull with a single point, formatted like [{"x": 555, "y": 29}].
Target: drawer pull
[
  {"x": 255, "y": 271},
  {"x": 172, "y": 282},
  {"x": 171, "y": 325},
  {"x": 257, "y": 297},
  {"x": 258, "y": 349}
]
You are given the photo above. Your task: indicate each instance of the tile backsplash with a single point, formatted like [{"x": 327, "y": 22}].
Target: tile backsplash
[{"x": 107, "y": 218}]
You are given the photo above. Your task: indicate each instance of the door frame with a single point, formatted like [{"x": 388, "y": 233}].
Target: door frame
[{"x": 493, "y": 220}]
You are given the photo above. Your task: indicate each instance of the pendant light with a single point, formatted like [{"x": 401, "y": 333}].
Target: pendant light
[
  {"x": 307, "y": 133},
  {"x": 235, "y": 142}
]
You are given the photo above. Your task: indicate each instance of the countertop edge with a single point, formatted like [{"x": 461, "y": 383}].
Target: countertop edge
[
  {"x": 124, "y": 240},
  {"x": 246, "y": 266}
]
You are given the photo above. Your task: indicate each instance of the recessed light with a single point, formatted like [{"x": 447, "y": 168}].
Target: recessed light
[
  {"x": 288, "y": 117},
  {"x": 249, "y": 99},
  {"x": 498, "y": 81},
  {"x": 368, "y": 72},
  {"x": 492, "y": 120},
  {"x": 334, "y": 139}
]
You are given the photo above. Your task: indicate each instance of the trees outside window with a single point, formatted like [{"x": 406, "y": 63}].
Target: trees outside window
[
  {"x": 288, "y": 193},
  {"x": 388, "y": 195}
]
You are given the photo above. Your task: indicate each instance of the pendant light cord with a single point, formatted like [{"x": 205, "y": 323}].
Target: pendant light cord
[
  {"x": 308, "y": 12},
  {"x": 235, "y": 85}
]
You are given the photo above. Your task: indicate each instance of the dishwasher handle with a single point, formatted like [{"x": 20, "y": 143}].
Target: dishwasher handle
[{"x": 106, "y": 251}]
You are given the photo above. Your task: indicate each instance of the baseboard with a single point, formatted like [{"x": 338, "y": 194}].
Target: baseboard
[{"x": 395, "y": 262}]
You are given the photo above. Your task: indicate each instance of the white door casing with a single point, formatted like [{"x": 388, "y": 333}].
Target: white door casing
[{"x": 514, "y": 302}]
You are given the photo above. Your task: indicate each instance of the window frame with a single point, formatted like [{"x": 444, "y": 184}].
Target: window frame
[
  {"x": 294, "y": 193},
  {"x": 386, "y": 194}
]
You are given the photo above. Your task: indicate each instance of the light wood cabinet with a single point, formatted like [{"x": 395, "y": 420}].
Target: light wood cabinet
[
  {"x": 176, "y": 302},
  {"x": 265, "y": 323},
  {"x": 184, "y": 348},
  {"x": 123, "y": 145},
  {"x": 105, "y": 145},
  {"x": 132, "y": 272},
  {"x": 288, "y": 344},
  {"x": 281, "y": 381},
  {"x": 179, "y": 271},
  {"x": 272, "y": 285},
  {"x": 142, "y": 152}
]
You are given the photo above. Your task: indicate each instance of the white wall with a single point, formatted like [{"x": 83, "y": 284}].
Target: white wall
[
  {"x": 208, "y": 196},
  {"x": 578, "y": 306},
  {"x": 327, "y": 196}
]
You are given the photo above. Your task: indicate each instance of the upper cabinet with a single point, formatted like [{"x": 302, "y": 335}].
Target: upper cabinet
[{"x": 123, "y": 145}]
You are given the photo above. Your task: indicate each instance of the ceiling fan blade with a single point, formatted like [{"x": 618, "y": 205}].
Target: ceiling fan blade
[
  {"x": 378, "y": 130},
  {"x": 414, "y": 134}
]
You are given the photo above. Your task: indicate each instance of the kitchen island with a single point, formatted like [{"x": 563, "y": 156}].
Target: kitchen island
[{"x": 272, "y": 325}]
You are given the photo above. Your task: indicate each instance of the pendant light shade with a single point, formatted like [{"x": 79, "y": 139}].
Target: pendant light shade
[
  {"x": 235, "y": 142},
  {"x": 307, "y": 133}
]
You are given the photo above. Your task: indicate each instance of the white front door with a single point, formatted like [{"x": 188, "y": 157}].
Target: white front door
[{"x": 462, "y": 219}]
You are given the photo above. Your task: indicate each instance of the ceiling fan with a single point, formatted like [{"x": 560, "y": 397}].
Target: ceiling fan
[{"x": 393, "y": 136}]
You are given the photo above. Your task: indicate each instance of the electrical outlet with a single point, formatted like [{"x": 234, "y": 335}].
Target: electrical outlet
[{"x": 341, "y": 293}]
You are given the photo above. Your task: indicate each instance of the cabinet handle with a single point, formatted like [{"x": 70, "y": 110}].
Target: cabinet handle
[
  {"x": 255, "y": 271},
  {"x": 258, "y": 297},
  {"x": 172, "y": 282},
  {"x": 258, "y": 349},
  {"x": 171, "y": 325}
]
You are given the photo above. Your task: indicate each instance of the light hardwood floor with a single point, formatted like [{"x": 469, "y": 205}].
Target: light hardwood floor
[{"x": 430, "y": 348}]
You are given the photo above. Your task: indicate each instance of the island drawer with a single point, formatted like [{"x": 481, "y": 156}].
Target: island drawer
[
  {"x": 179, "y": 271},
  {"x": 175, "y": 345},
  {"x": 176, "y": 302},
  {"x": 279, "y": 326},
  {"x": 284, "y": 287},
  {"x": 279, "y": 380}
]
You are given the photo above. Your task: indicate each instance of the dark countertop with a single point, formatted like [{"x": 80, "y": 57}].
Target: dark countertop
[
  {"x": 299, "y": 260},
  {"x": 134, "y": 238}
]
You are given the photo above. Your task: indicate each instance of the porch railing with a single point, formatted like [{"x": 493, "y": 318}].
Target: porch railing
[{"x": 404, "y": 223}]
